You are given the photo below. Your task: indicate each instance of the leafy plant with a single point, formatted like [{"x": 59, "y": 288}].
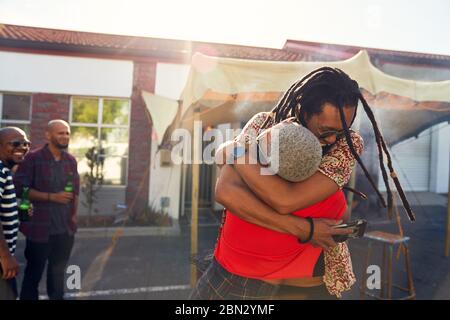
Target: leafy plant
[
  {"x": 93, "y": 179},
  {"x": 151, "y": 216}
]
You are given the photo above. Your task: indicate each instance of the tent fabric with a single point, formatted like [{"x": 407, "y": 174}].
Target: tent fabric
[
  {"x": 227, "y": 90},
  {"x": 162, "y": 110},
  {"x": 232, "y": 76}
]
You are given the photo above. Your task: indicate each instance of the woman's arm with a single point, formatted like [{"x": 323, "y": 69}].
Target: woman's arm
[
  {"x": 334, "y": 172},
  {"x": 233, "y": 193},
  {"x": 284, "y": 196}
]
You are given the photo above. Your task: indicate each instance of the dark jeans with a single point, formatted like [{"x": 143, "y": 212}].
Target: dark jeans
[
  {"x": 8, "y": 288},
  {"x": 57, "y": 252}
]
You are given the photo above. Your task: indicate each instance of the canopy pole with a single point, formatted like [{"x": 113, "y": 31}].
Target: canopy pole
[
  {"x": 194, "y": 208},
  {"x": 447, "y": 233}
]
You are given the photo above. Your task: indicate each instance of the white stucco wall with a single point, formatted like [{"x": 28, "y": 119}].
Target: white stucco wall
[
  {"x": 166, "y": 181},
  {"x": 23, "y": 72},
  {"x": 171, "y": 79}
]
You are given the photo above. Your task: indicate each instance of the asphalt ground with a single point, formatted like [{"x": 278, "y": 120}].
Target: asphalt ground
[{"x": 158, "y": 266}]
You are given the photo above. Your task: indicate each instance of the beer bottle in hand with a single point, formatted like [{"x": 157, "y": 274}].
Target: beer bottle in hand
[
  {"x": 25, "y": 205},
  {"x": 69, "y": 184}
]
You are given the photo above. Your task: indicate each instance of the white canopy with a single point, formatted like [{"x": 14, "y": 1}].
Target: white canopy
[
  {"x": 227, "y": 90},
  {"x": 162, "y": 110}
]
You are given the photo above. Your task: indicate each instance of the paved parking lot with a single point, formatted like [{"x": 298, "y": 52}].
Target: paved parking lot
[{"x": 157, "y": 266}]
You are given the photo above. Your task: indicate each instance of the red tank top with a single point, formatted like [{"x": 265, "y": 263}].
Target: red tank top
[{"x": 251, "y": 251}]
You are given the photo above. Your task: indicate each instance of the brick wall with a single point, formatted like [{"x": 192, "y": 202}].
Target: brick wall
[
  {"x": 46, "y": 107},
  {"x": 140, "y": 139}
]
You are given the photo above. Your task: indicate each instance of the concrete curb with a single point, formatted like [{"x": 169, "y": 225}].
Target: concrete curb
[
  {"x": 173, "y": 231},
  {"x": 110, "y": 232}
]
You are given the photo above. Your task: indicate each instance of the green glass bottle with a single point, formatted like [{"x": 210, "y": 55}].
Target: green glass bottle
[
  {"x": 25, "y": 205},
  {"x": 69, "y": 184}
]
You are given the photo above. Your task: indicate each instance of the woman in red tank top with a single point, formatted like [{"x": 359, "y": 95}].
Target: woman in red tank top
[{"x": 251, "y": 251}]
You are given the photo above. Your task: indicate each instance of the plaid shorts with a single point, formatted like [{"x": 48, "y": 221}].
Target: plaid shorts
[{"x": 216, "y": 283}]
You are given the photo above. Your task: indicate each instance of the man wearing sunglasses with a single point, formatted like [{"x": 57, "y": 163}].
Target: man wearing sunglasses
[
  {"x": 50, "y": 232},
  {"x": 14, "y": 145}
]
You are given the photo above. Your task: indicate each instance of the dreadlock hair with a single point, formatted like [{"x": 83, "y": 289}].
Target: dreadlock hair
[{"x": 331, "y": 85}]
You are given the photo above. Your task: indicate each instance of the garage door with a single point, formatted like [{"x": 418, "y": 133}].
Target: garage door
[{"x": 411, "y": 160}]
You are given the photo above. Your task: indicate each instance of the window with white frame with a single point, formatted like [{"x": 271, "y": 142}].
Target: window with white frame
[
  {"x": 15, "y": 110},
  {"x": 102, "y": 123}
]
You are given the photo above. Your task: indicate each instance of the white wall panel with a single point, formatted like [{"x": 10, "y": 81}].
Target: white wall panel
[{"x": 24, "y": 72}]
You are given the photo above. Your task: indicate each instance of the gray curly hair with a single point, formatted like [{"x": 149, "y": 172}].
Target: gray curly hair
[{"x": 299, "y": 151}]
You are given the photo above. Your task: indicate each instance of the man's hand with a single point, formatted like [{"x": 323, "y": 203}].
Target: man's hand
[
  {"x": 323, "y": 232},
  {"x": 73, "y": 220},
  {"x": 61, "y": 197},
  {"x": 30, "y": 210},
  {"x": 10, "y": 266}
]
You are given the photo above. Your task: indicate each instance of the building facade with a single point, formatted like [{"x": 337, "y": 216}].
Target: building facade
[{"x": 94, "y": 81}]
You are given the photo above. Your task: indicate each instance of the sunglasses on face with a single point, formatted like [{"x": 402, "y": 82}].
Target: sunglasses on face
[
  {"x": 330, "y": 133},
  {"x": 17, "y": 143}
]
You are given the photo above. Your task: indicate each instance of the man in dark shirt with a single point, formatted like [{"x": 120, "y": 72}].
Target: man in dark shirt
[
  {"x": 14, "y": 145},
  {"x": 50, "y": 232}
]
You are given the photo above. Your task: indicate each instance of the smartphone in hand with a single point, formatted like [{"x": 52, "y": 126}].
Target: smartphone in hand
[{"x": 358, "y": 227}]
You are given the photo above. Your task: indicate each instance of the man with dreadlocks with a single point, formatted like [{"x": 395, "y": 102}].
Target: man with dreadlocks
[{"x": 257, "y": 254}]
